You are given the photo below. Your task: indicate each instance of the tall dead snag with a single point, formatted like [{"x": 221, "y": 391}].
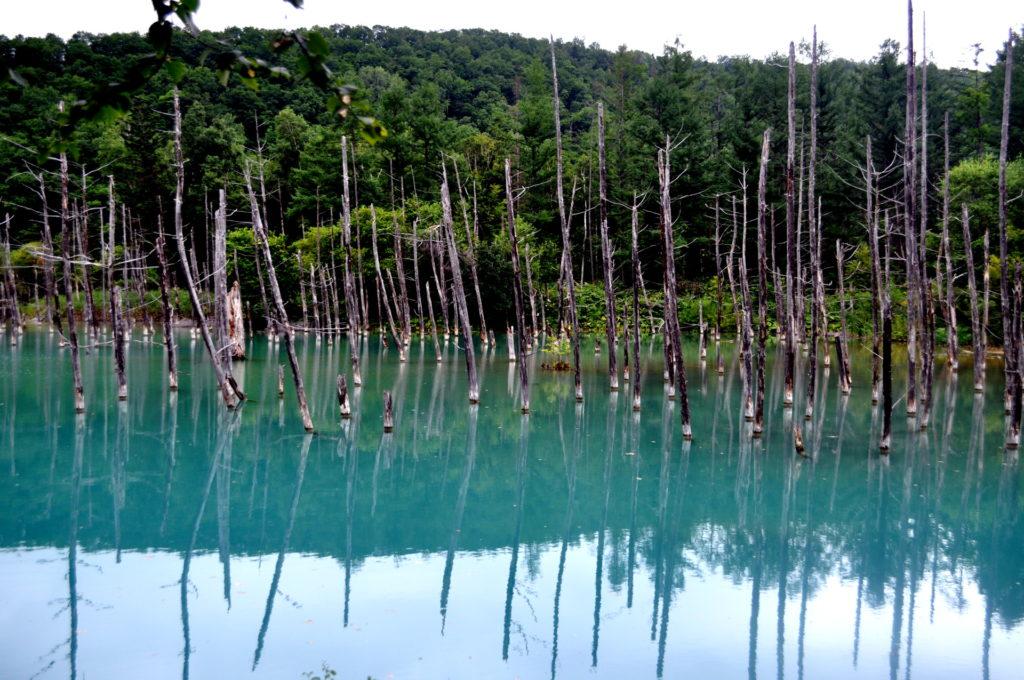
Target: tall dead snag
[
  {"x": 227, "y": 392},
  {"x": 566, "y": 269},
  {"x": 871, "y": 222},
  {"x": 471, "y": 235},
  {"x": 220, "y": 281},
  {"x": 910, "y": 218},
  {"x": 236, "y": 325},
  {"x": 400, "y": 273},
  {"x": 165, "y": 303},
  {"x": 886, "y": 439},
  {"x": 606, "y": 254},
  {"x": 636, "y": 306},
  {"x": 924, "y": 287},
  {"x": 812, "y": 234},
  {"x": 382, "y": 287},
  {"x": 762, "y": 278},
  {"x": 69, "y": 298},
  {"x": 263, "y": 242},
  {"x": 116, "y": 304},
  {"x": 791, "y": 244},
  {"x": 952, "y": 346},
  {"x": 82, "y": 238},
  {"x": 517, "y": 291},
  {"x": 530, "y": 294},
  {"x": 461, "y": 309},
  {"x": 1010, "y": 362},
  {"x": 671, "y": 300},
  {"x": 416, "y": 277},
  {"x": 49, "y": 277},
  {"x": 15, "y": 313},
  {"x": 433, "y": 322},
  {"x": 977, "y": 331},
  {"x": 842, "y": 350},
  {"x": 719, "y": 362},
  {"x": 352, "y": 306},
  {"x": 1013, "y": 432}
]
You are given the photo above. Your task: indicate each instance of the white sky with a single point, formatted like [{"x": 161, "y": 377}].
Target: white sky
[{"x": 852, "y": 28}]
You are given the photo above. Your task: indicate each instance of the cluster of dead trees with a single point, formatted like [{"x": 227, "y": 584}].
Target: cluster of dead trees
[{"x": 335, "y": 296}]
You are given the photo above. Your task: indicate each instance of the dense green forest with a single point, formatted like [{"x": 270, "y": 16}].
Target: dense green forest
[{"x": 474, "y": 98}]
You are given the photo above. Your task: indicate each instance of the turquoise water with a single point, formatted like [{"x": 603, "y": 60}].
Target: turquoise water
[{"x": 166, "y": 538}]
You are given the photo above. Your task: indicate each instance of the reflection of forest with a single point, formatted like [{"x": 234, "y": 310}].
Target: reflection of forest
[{"x": 944, "y": 509}]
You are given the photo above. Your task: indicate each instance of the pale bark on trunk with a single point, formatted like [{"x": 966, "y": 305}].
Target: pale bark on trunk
[
  {"x": 719, "y": 362},
  {"x": 471, "y": 253},
  {"x": 671, "y": 300},
  {"x": 952, "y": 345},
  {"x": 762, "y": 292},
  {"x": 119, "y": 342},
  {"x": 416, "y": 277},
  {"x": 236, "y": 326},
  {"x": 635, "y": 258},
  {"x": 65, "y": 238},
  {"x": 49, "y": 276},
  {"x": 925, "y": 290},
  {"x": 842, "y": 348},
  {"x": 517, "y": 292},
  {"x": 1010, "y": 364},
  {"x": 433, "y": 322},
  {"x": 344, "y": 408},
  {"x": 263, "y": 242},
  {"x": 977, "y": 330},
  {"x": 606, "y": 255},
  {"x": 886, "y": 439},
  {"x": 403, "y": 291},
  {"x": 15, "y": 313},
  {"x": 812, "y": 234},
  {"x": 352, "y": 305},
  {"x": 791, "y": 241},
  {"x": 227, "y": 392},
  {"x": 910, "y": 218},
  {"x": 871, "y": 221},
  {"x": 566, "y": 269},
  {"x": 165, "y": 302},
  {"x": 382, "y": 287},
  {"x": 461, "y": 308}
]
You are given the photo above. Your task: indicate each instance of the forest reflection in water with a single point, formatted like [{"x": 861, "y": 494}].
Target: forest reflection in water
[{"x": 165, "y": 537}]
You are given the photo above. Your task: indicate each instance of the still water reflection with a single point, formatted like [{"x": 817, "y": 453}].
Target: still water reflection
[{"x": 164, "y": 538}]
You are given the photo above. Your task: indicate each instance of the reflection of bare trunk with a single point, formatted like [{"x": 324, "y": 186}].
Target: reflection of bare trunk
[
  {"x": 517, "y": 292},
  {"x": 977, "y": 331},
  {"x": 606, "y": 254},
  {"x": 76, "y": 490},
  {"x": 65, "y": 237},
  {"x": 524, "y": 438},
  {"x": 460, "y": 509},
  {"x": 165, "y": 302}
]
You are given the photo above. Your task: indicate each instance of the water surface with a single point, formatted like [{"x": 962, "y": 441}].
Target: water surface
[{"x": 166, "y": 538}]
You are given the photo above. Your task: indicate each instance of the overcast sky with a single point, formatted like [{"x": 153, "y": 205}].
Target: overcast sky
[{"x": 852, "y": 28}]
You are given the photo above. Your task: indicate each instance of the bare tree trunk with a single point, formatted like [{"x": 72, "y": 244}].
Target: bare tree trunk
[
  {"x": 49, "y": 277},
  {"x": 352, "y": 306},
  {"x": 671, "y": 300},
  {"x": 275, "y": 291},
  {"x": 842, "y": 349},
  {"x": 801, "y": 316},
  {"x": 635, "y": 257},
  {"x": 1010, "y": 364},
  {"x": 344, "y": 408},
  {"x": 606, "y": 255},
  {"x": 236, "y": 325},
  {"x": 165, "y": 301},
  {"x": 564, "y": 221},
  {"x": 385, "y": 302},
  {"x": 762, "y": 292},
  {"x": 15, "y": 313},
  {"x": 952, "y": 346},
  {"x": 927, "y": 306},
  {"x": 977, "y": 331},
  {"x": 416, "y": 277},
  {"x": 914, "y": 305},
  {"x": 227, "y": 392},
  {"x": 220, "y": 282},
  {"x": 400, "y": 273},
  {"x": 433, "y": 323},
  {"x": 389, "y": 413},
  {"x": 517, "y": 291},
  {"x": 791, "y": 240},
  {"x": 719, "y": 362},
  {"x": 871, "y": 221},
  {"x": 812, "y": 235},
  {"x": 1013, "y": 434},
  {"x": 471, "y": 255},
  {"x": 65, "y": 238},
  {"x": 460, "y": 294},
  {"x": 439, "y": 282},
  {"x": 119, "y": 342},
  {"x": 886, "y": 439},
  {"x": 531, "y": 293}
]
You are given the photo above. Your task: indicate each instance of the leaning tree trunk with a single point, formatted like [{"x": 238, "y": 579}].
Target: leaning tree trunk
[
  {"x": 165, "y": 302},
  {"x": 517, "y": 291},
  {"x": 606, "y": 255},
  {"x": 1009, "y": 363},
  {"x": 762, "y": 292},
  {"x": 462, "y": 310},
  {"x": 65, "y": 238},
  {"x": 812, "y": 235},
  {"x": 563, "y": 218},
  {"x": 791, "y": 242},
  {"x": 263, "y": 242},
  {"x": 671, "y": 301},
  {"x": 471, "y": 254},
  {"x": 952, "y": 348},
  {"x": 227, "y": 392},
  {"x": 635, "y": 257},
  {"x": 382, "y": 287}
]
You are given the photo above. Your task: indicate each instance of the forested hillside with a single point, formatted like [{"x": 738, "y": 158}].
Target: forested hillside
[{"x": 476, "y": 97}]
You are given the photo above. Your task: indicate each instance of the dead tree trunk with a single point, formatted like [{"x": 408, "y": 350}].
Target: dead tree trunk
[
  {"x": 220, "y": 282},
  {"x": 517, "y": 292},
  {"x": 227, "y": 392},
  {"x": 165, "y": 302},
  {"x": 635, "y": 258},
  {"x": 403, "y": 302},
  {"x": 925, "y": 290},
  {"x": 952, "y": 346},
  {"x": 606, "y": 255},
  {"x": 49, "y": 276},
  {"x": 977, "y": 331},
  {"x": 842, "y": 349},
  {"x": 119, "y": 342},
  {"x": 263, "y": 242},
  {"x": 535, "y": 329},
  {"x": 471, "y": 255},
  {"x": 1010, "y": 362},
  {"x": 344, "y": 408},
  {"x": 65, "y": 238},
  {"x": 382, "y": 287},
  {"x": 719, "y": 362},
  {"x": 910, "y": 219},
  {"x": 462, "y": 310},
  {"x": 886, "y": 439},
  {"x": 791, "y": 244},
  {"x": 871, "y": 221},
  {"x": 416, "y": 277},
  {"x": 812, "y": 231},
  {"x": 352, "y": 305},
  {"x": 566, "y": 272},
  {"x": 236, "y": 325},
  {"x": 762, "y": 292},
  {"x": 1013, "y": 433},
  {"x": 15, "y": 313},
  {"x": 671, "y": 300},
  {"x": 433, "y": 322}
]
